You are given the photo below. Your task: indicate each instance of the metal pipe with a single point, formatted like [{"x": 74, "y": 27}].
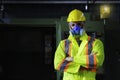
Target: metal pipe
[{"x": 59, "y": 2}]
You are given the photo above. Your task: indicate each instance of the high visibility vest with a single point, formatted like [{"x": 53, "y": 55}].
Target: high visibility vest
[{"x": 89, "y": 45}]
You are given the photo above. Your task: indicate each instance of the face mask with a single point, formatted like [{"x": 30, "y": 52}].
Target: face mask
[{"x": 77, "y": 30}]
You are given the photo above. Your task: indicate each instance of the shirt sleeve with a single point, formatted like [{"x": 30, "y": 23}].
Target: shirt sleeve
[
  {"x": 93, "y": 60},
  {"x": 60, "y": 63}
]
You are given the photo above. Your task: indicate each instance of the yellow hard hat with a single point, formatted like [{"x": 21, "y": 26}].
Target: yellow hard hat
[{"x": 76, "y": 15}]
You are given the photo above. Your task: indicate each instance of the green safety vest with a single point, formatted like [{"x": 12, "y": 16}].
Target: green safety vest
[
  {"x": 89, "y": 49},
  {"x": 87, "y": 58}
]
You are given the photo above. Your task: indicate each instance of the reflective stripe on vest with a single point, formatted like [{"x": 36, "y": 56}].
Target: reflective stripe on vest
[
  {"x": 67, "y": 47},
  {"x": 91, "y": 62},
  {"x": 65, "y": 63}
]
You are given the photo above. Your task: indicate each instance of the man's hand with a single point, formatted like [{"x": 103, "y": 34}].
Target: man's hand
[{"x": 69, "y": 59}]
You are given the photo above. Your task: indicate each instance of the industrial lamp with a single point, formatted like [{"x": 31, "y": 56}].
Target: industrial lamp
[{"x": 104, "y": 11}]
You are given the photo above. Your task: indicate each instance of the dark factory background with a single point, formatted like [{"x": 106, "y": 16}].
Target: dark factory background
[{"x": 30, "y": 30}]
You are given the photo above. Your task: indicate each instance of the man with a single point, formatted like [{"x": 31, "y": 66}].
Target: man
[{"x": 80, "y": 55}]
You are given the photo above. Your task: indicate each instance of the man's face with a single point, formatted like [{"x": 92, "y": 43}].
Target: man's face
[
  {"x": 76, "y": 28},
  {"x": 73, "y": 24}
]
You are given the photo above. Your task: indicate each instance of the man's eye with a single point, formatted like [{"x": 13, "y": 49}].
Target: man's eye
[
  {"x": 73, "y": 24},
  {"x": 79, "y": 24}
]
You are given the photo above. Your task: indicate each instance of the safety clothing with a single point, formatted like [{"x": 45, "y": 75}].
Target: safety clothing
[
  {"x": 76, "y": 15},
  {"x": 84, "y": 65}
]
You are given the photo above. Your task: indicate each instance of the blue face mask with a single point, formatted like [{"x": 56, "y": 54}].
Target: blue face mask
[{"x": 77, "y": 30}]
